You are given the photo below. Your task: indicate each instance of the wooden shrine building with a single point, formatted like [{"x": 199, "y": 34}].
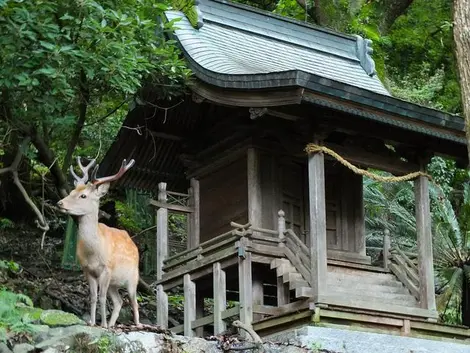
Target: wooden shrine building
[{"x": 277, "y": 230}]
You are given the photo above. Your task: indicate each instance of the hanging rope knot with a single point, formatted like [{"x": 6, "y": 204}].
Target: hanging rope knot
[{"x": 313, "y": 148}]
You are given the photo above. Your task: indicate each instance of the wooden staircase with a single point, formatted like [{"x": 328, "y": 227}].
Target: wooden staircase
[
  {"x": 292, "y": 278},
  {"x": 355, "y": 287}
]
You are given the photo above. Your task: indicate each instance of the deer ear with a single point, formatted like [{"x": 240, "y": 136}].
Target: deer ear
[{"x": 102, "y": 189}]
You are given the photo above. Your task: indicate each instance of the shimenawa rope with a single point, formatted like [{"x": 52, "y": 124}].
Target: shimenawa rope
[{"x": 313, "y": 148}]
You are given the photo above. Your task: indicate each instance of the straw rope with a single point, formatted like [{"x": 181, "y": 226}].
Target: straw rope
[{"x": 313, "y": 148}]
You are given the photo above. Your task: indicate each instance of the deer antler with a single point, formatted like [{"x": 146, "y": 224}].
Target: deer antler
[
  {"x": 84, "y": 178},
  {"x": 124, "y": 168}
]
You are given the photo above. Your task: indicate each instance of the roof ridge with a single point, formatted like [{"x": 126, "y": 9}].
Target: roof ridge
[{"x": 284, "y": 18}]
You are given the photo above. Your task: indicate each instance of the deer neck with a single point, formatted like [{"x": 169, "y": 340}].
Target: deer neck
[{"x": 88, "y": 230}]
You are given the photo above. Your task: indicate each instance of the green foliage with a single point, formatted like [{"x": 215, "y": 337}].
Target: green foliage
[
  {"x": 188, "y": 7},
  {"x": 12, "y": 318},
  {"x": 421, "y": 51},
  {"x": 57, "y": 57},
  {"x": 11, "y": 266},
  {"x": 6, "y": 223}
]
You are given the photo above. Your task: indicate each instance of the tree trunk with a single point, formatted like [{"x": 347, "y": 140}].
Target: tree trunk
[
  {"x": 462, "y": 46},
  {"x": 47, "y": 157},
  {"x": 82, "y": 109},
  {"x": 333, "y": 13},
  {"x": 391, "y": 10},
  {"x": 465, "y": 300}
]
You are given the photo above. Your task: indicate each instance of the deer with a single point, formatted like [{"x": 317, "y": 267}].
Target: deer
[{"x": 108, "y": 256}]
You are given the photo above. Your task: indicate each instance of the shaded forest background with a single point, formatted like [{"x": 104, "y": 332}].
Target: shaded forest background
[{"x": 69, "y": 73}]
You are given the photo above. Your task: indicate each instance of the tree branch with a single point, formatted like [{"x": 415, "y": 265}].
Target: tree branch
[{"x": 41, "y": 222}]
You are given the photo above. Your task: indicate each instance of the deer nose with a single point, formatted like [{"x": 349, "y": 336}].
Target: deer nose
[{"x": 60, "y": 203}]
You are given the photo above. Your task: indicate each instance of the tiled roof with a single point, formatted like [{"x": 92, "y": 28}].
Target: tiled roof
[{"x": 237, "y": 40}]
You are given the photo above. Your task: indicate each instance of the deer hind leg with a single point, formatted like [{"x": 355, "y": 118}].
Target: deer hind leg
[
  {"x": 132, "y": 290},
  {"x": 117, "y": 304},
  {"x": 103, "y": 282},
  {"x": 93, "y": 283}
]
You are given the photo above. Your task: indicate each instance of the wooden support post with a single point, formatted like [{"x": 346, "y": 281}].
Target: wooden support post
[
  {"x": 254, "y": 188},
  {"x": 189, "y": 288},
  {"x": 194, "y": 223},
  {"x": 220, "y": 298},
  {"x": 282, "y": 288},
  {"x": 199, "y": 332},
  {"x": 425, "y": 256},
  {"x": 162, "y": 231},
  {"x": 258, "y": 292},
  {"x": 162, "y": 307},
  {"x": 318, "y": 248},
  {"x": 245, "y": 289},
  {"x": 281, "y": 224},
  {"x": 386, "y": 249}
]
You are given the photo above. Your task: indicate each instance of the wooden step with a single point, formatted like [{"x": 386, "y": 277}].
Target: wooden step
[
  {"x": 390, "y": 299},
  {"x": 297, "y": 284},
  {"x": 337, "y": 271},
  {"x": 277, "y": 262},
  {"x": 349, "y": 286},
  {"x": 347, "y": 279},
  {"x": 303, "y": 292},
  {"x": 341, "y": 301},
  {"x": 291, "y": 276},
  {"x": 285, "y": 268}
]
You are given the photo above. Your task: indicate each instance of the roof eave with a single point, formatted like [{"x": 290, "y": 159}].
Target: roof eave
[{"x": 329, "y": 88}]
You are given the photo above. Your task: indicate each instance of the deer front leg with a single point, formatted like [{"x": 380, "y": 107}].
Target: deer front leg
[
  {"x": 93, "y": 283},
  {"x": 104, "y": 285}
]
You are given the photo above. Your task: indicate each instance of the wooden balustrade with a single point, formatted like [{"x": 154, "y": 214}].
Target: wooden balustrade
[{"x": 405, "y": 269}]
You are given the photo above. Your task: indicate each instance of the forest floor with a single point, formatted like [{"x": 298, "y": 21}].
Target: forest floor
[{"x": 42, "y": 278}]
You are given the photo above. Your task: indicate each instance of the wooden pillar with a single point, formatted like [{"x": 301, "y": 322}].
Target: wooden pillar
[
  {"x": 199, "y": 332},
  {"x": 318, "y": 248},
  {"x": 162, "y": 231},
  {"x": 258, "y": 292},
  {"x": 189, "y": 288},
  {"x": 358, "y": 211},
  {"x": 254, "y": 187},
  {"x": 220, "y": 298},
  {"x": 425, "y": 256},
  {"x": 162, "y": 307},
  {"x": 282, "y": 288},
  {"x": 194, "y": 218},
  {"x": 386, "y": 249},
  {"x": 245, "y": 289}
]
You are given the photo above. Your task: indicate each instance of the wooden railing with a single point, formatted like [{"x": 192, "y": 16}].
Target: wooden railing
[{"x": 403, "y": 265}]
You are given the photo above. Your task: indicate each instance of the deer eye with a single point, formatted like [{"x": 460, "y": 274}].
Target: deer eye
[{"x": 83, "y": 196}]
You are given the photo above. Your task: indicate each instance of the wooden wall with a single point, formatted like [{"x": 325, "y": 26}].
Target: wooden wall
[
  {"x": 284, "y": 185},
  {"x": 223, "y": 198}
]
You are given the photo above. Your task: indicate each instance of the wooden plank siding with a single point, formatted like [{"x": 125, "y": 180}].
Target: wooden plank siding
[{"x": 223, "y": 198}]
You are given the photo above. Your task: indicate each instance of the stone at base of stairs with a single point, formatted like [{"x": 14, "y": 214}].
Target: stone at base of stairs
[{"x": 349, "y": 341}]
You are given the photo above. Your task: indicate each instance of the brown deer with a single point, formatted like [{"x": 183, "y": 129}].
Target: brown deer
[{"x": 108, "y": 256}]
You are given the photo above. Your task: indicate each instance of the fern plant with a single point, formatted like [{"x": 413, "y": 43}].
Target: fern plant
[{"x": 12, "y": 318}]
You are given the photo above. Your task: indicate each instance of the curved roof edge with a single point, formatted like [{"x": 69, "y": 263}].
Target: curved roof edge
[{"x": 342, "y": 92}]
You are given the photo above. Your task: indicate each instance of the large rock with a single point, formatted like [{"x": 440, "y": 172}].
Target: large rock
[
  {"x": 54, "y": 318},
  {"x": 4, "y": 348},
  {"x": 63, "y": 336},
  {"x": 23, "y": 348}
]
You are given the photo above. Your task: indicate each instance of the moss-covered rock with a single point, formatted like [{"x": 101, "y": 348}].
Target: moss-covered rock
[
  {"x": 34, "y": 314},
  {"x": 54, "y": 318}
]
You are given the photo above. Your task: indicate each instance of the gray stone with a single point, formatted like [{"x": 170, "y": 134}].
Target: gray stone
[
  {"x": 350, "y": 341},
  {"x": 4, "y": 348},
  {"x": 23, "y": 348},
  {"x": 63, "y": 336},
  {"x": 41, "y": 332}
]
